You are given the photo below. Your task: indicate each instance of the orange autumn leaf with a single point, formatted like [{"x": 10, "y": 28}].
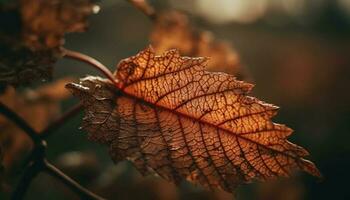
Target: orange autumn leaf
[{"x": 169, "y": 116}]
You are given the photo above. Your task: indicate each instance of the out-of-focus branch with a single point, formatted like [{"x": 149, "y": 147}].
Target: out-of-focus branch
[
  {"x": 145, "y": 8},
  {"x": 31, "y": 170},
  {"x": 70, "y": 183},
  {"x": 29, "y": 174},
  {"x": 37, "y": 162},
  {"x": 61, "y": 120},
  {"x": 91, "y": 61},
  {"x": 12, "y": 116}
]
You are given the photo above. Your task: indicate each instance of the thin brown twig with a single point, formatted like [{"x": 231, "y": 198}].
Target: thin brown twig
[
  {"x": 70, "y": 183},
  {"x": 91, "y": 61},
  {"x": 145, "y": 8},
  {"x": 61, "y": 120}
]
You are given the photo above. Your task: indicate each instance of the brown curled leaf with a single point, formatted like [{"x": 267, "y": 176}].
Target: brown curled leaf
[
  {"x": 47, "y": 21},
  {"x": 32, "y": 34},
  {"x": 170, "y": 116},
  {"x": 173, "y": 30}
]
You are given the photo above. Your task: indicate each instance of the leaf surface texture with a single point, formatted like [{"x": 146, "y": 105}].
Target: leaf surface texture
[{"x": 169, "y": 116}]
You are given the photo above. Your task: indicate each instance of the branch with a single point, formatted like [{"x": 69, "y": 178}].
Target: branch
[
  {"x": 61, "y": 120},
  {"x": 11, "y": 115},
  {"x": 34, "y": 165},
  {"x": 145, "y": 8},
  {"x": 37, "y": 161},
  {"x": 91, "y": 61},
  {"x": 70, "y": 183},
  {"x": 29, "y": 174}
]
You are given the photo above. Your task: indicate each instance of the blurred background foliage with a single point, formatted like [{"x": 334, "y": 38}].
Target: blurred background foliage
[{"x": 297, "y": 52}]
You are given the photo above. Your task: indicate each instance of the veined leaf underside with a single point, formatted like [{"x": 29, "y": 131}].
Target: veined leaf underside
[{"x": 167, "y": 115}]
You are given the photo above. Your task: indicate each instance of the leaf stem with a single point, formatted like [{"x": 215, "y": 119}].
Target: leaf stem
[
  {"x": 60, "y": 121},
  {"x": 91, "y": 61},
  {"x": 145, "y": 8},
  {"x": 70, "y": 183},
  {"x": 15, "y": 118}
]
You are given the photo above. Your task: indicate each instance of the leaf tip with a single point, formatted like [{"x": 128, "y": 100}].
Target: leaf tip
[
  {"x": 73, "y": 87},
  {"x": 311, "y": 168}
]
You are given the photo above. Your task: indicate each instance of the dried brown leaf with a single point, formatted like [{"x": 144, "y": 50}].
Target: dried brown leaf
[
  {"x": 32, "y": 34},
  {"x": 45, "y": 22},
  {"x": 168, "y": 115},
  {"x": 172, "y": 30}
]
